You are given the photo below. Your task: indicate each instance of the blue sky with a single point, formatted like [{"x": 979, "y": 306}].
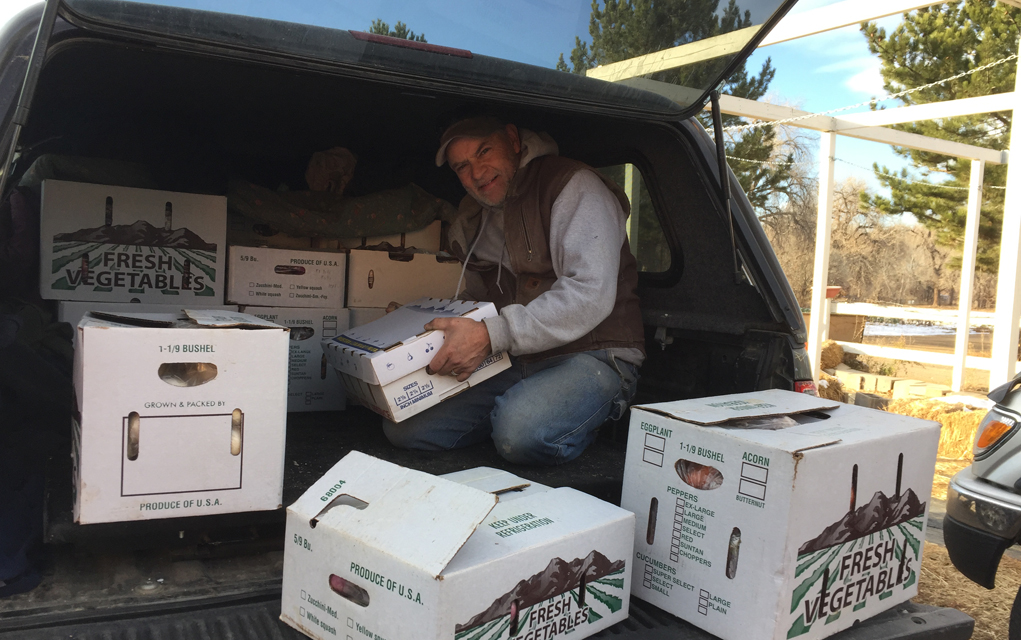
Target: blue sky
[{"x": 817, "y": 73}]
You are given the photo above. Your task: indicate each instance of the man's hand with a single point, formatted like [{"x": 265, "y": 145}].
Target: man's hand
[{"x": 465, "y": 346}]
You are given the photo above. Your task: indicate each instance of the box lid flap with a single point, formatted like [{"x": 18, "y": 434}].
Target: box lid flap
[
  {"x": 719, "y": 409},
  {"x": 228, "y": 319},
  {"x": 158, "y": 320},
  {"x": 420, "y": 518},
  {"x": 496, "y": 481}
]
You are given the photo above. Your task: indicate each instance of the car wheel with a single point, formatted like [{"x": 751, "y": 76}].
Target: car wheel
[{"x": 1014, "y": 633}]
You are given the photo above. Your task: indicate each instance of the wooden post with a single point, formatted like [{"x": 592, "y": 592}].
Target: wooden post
[
  {"x": 978, "y": 169},
  {"x": 823, "y": 234}
]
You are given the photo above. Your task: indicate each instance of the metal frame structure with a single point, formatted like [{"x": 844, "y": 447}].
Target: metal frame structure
[{"x": 871, "y": 126}]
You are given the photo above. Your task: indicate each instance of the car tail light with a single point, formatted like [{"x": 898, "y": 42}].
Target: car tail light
[
  {"x": 995, "y": 429},
  {"x": 806, "y": 386}
]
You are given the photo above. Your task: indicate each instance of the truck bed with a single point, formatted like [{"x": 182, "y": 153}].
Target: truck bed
[{"x": 219, "y": 576}]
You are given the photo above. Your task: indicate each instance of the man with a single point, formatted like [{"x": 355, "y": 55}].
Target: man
[{"x": 543, "y": 238}]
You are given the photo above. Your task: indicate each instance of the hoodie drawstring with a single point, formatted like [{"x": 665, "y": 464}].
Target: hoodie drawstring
[{"x": 471, "y": 250}]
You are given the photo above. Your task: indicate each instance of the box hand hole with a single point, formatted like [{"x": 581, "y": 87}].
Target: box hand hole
[
  {"x": 733, "y": 552},
  {"x": 343, "y": 500},
  {"x": 134, "y": 422},
  {"x": 237, "y": 431},
  {"x": 187, "y": 374},
  {"x": 349, "y": 590},
  {"x": 650, "y": 530},
  {"x": 289, "y": 270}
]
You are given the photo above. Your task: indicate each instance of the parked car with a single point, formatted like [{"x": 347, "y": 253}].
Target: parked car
[
  {"x": 983, "y": 516},
  {"x": 199, "y": 98}
]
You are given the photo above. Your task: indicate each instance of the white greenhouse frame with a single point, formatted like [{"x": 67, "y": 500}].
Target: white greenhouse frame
[{"x": 870, "y": 126}]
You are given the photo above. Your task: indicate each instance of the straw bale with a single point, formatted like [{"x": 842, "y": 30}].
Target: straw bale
[
  {"x": 960, "y": 422},
  {"x": 832, "y": 355},
  {"x": 945, "y": 470},
  {"x": 942, "y": 585},
  {"x": 831, "y": 388}
]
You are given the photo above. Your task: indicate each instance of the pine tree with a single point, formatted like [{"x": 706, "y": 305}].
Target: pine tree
[
  {"x": 624, "y": 29},
  {"x": 932, "y": 44},
  {"x": 400, "y": 30}
]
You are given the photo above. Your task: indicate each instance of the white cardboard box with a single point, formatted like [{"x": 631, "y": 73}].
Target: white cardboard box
[
  {"x": 755, "y": 534},
  {"x": 377, "y": 278},
  {"x": 425, "y": 239},
  {"x": 312, "y": 384},
  {"x": 377, "y": 550},
  {"x": 365, "y": 315},
  {"x": 383, "y": 363},
  {"x": 121, "y": 244},
  {"x": 73, "y": 312},
  {"x": 265, "y": 277},
  {"x": 183, "y": 417}
]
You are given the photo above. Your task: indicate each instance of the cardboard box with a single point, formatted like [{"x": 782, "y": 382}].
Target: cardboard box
[
  {"x": 365, "y": 315},
  {"x": 377, "y": 550},
  {"x": 377, "y": 278},
  {"x": 312, "y": 385},
  {"x": 73, "y": 312},
  {"x": 265, "y": 277},
  {"x": 383, "y": 363},
  {"x": 425, "y": 239},
  {"x": 797, "y": 532},
  {"x": 179, "y": 415},
  {"x": 121, "y": 244}
]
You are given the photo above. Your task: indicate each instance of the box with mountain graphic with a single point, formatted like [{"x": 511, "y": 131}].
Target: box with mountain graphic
[
  {"x": 777, "y": 515},
  {"x": 102, "y": 243},
  {"x": 380, "y": 551}
]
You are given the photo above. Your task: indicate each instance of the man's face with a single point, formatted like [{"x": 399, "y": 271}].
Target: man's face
[{"x": 487, "y": 165}]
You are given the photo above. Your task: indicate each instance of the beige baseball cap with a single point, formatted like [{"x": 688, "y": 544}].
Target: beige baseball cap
[{"x": 478, "y": 127}]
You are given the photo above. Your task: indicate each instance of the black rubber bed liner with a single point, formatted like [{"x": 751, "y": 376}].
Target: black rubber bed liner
[{"x": 260, "y": 621}]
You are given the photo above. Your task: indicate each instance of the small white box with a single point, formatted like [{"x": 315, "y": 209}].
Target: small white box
[
  {"x": 377, "y": 278},
  {"x": 178, "y": 415},
  {"x": 73, "y": 312},
  {"x": 265, "y": 277},
  {"x": 312, "y": 385},
  {"x": 425, "y": 239},
  {"x": 122, "y": 244},
  {"x": 374, "y": 549},
  {"x": 775, "y": 533},
  {"x": 365, "y": 315},
  {"x": 383, "y": 363}
]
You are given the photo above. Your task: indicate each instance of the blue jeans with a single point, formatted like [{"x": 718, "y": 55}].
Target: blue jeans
[{"x": 537, "y": 413}]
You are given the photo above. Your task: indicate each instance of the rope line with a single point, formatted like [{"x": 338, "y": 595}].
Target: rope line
[{"x": 873, "y": 101}]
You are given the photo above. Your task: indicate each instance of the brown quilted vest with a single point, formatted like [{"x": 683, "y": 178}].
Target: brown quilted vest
[{"x": 526, "y": 228}]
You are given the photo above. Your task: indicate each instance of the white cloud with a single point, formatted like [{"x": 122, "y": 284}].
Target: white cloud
[{"x": 868, "y": 82}]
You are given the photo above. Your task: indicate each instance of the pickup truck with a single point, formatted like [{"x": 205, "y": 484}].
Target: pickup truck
[{"x": 200, "y": 98}]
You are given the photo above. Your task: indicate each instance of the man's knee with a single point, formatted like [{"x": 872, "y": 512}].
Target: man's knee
[
  {"x": 524, "y": 446},
  {"x": 399, "y": 436}
]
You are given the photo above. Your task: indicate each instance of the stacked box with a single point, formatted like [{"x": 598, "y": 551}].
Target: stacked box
[
  {"x": 178, "y": 415},
  {"x": 312, "y": 385},
  {"x": 377, "y": 278},
  {"x": 121, "y": 244},
  {"x": 774, "y": 515},
  {"x": 266, "y": 277},
  {"x": 303, "y": 290}
]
